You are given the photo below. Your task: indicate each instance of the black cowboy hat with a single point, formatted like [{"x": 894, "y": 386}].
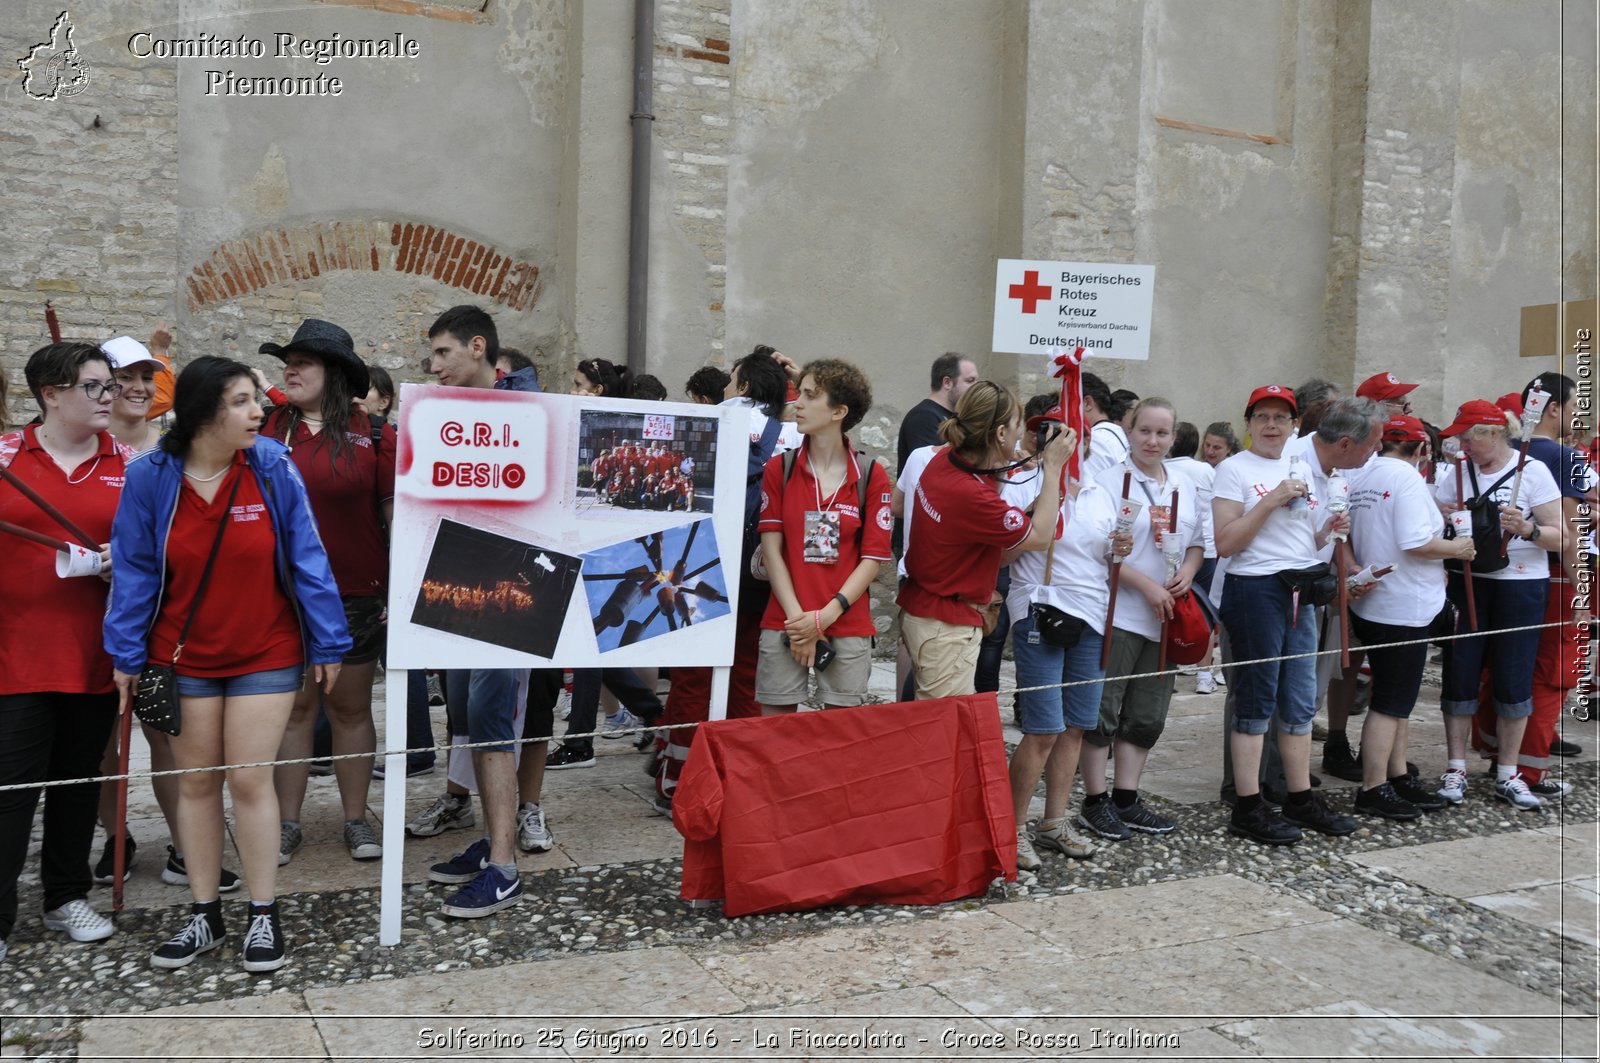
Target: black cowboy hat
[{"x": 330, "y": 343}]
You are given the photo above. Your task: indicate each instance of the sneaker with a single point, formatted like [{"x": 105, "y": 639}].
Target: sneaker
[
  {"x": 1027, "y": 859},
  {"x": 79, "y": 922},
  {"x": 646, "y": 742},
  {"x": 463, "y": 868},
  {"x": 435, "y": 690},
  {"x": 1384, "y": 802},
  {"x": 564, "y": 706},
  {"x": 202, "y": 933},
  {"x": 361, "y": 840},
  {"x": 1063, "y": 839},
  {"x": 1562, "y": 748},
  {"x": 533, "y": 833},
  {"x": 263, "y": 942},
  {"x": 1219, "y": 676},
  {"x": 105, "y": 869},
  {"x": 290, "y": 839},
  {"x": 380, "y": 770},
  {"x": 1548, "y": 788},
  {"x": 176, "y": 874},
  {"x": 1205, "y": 683},
  {"x": 1515, "y": 791},
  {"x": 1101, "y": 818},
  {"x": 1230, "y": 797},
  {"x": 662, "y": 805},
  {"x": 1263, "y": 825},
  {"x": 1188, "y": 669},
  {"x": 1339, "y": 760},
  {"x": 619, "y": 721},
  {"x": 448, "y": 812},
  {"x": 1320, "y": 816},
  {"x": 1140, "y": 817},
  {"x": 565, "y": 756},
  {"x": 1409, "y": 787},
  {"x": 1453, "y": 786},
  {"x": 486, "y": 894}
]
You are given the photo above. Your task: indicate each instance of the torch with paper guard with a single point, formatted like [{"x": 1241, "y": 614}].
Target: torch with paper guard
[
  {"x": 1339, "y": 507},
  {"x": 1532, "y": 414}
]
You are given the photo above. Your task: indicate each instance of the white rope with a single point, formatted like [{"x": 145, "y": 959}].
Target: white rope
[{"x": 500, "y": 745}]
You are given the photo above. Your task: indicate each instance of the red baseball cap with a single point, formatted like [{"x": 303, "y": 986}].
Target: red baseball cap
[
  {"x": 1384, "y": 387},
  {"x": 1473, "y": 413},
  {"x": 1404, "y": 429},
  {"x": 1272, "y": 391},
  {"x": 1052, "y": 414},
  {"x": 1510, "y": 402}
]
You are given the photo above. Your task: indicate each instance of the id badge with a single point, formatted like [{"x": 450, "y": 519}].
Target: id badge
[{"x": 822, "y": 537}]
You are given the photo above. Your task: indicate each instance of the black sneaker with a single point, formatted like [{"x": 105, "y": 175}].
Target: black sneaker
[
  {"x": 565, "y": 756},
  {"x": 1317, "y": 815},
  {"x": 1230, "y": 797},
  {"x": 1338, "y": 760},
  {"x": 1410, "y": 788},
  {"x": 1562, "y": 748},
  {"x": 202, "y": 933},
  {"x": 1142, "y": 818},
  {"x": 105, "y": 869},
  {"x": 263, "y": 942},
  {"x": 176, "y": 874},
  {"x": 1263, "y": 825},
  {"x": 1382, "y": 801},
  {"x": 1100, "y": 817}
]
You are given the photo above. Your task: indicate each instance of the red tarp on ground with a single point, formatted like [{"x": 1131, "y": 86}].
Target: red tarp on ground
[{"x": 901, "y": 804}]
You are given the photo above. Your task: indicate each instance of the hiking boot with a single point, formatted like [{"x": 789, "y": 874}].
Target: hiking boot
[
  {"x": 1063, "y": 839},
  {"x": 362, "y": 840},
  {"x": 1142, "y": 818},
  {"x": 1263, "y": 825},
  {"x": 1409, "y": 788},
  {"x": 1320, "y": 816},
  {"x": 463, "y": 868},
  {"x": 263, "y": 942},
  {"x": 79, "y": 922},
  {"x": 1453, "y": 786},
  {"x": 448, "y": 812},
  {"x": 1027, "y": 859},
  {"x": 1339, "y": 760},
  {"x": 487, "y": 893},
  {"x": 290, "y": 839},
  {"x": 1101, "y": 818},
  {"x": 569, "y": 756},
  {"x": 176, "y": 874},
  {"x": 105, "y": 869},
  {"x": 533, "y": 833},
  {"x": 202, "y": 933},
  {"x": 1382, "y": 801},
  {"x": 1515, "y": 791}
]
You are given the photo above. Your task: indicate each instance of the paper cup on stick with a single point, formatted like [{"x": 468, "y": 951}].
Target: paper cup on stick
[
  {"x": 1461, "y": 521},
  {"x": 77, "y": 561}
]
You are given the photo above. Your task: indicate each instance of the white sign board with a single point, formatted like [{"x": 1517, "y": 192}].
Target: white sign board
[{"x": 1052, "y": 307}]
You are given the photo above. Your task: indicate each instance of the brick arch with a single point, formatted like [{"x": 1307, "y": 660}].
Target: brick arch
[{"x": 277, "y": 256}]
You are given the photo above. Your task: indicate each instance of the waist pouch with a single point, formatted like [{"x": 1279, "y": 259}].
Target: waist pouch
[
  {"x": 1055, "y": 627},
  {"x": 1316, "y": 585}
]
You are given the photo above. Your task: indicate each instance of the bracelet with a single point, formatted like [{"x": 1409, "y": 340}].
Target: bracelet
[
  {"x": 844, "y": 603},
  {"x": 816, "y": 618}
]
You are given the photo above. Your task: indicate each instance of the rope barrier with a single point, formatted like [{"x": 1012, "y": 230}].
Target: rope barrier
[{"x": 501, "y": 745}]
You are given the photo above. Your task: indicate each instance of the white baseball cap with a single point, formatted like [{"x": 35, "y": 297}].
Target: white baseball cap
[{"x": 125, "y": 351}]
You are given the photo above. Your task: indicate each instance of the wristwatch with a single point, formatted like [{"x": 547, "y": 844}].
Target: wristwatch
[{"x": 1533, "y": 536}]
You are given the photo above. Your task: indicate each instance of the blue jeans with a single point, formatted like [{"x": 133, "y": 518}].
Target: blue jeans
[
  {"x": 1510, "y": 655},
  {"x": 1046, "y": 712},
  {"x": 991, "y": 652},
  {"x": 625, "y": 683},
  {"x": 419, "y": 727},
  {"x": 1256, "y": 611}
]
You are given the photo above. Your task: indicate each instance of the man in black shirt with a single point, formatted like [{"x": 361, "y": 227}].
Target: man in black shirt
[{"x": 952, "y": 375}]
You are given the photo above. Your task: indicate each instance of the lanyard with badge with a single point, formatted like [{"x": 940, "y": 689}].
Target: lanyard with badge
[{"x": 821, "y": 543}]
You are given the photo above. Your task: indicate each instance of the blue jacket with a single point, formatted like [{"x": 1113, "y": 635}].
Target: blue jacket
[
  {"x": 139, "y": 555},
  {"x": 526, "y": 379}
]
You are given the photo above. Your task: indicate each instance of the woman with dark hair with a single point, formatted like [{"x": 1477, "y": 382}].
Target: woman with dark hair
[
  {"x": 348, "y": 468},
  {"x": 1219, "y": 443},
  {"x": 57, "y": 704},
  {"x": 1106, "y": 445},
  {"x": 964, "y": 531},
  {"x": 380, "y": 395},
  {"x": 214, "y": 488},
  {"x": 596, "y": 376}
]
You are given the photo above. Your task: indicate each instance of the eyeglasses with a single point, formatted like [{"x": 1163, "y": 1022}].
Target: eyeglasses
[
  {"x": 96, "y": 391},
  {"x": 1272, "y": 418}
]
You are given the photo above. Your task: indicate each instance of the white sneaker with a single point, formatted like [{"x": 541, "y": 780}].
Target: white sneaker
[
  {"x": 79, "y": 921},
  {"x": 619, "y": 721},
  {"x": 1453, "y": 786},
  {"x": 1205, "y": 683},
  {"x": 1222, "y": 680},
  {"x": 533, "y": 833},
  {"x": 446, "y": 813},
  {"x": 1027, "y": 859},
  {"x": 1515, "y": 790},
  {"x": 564, "y": 706}
]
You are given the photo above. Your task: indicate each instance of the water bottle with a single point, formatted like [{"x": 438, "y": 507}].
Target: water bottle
[{"x": 1298, "y": 505}]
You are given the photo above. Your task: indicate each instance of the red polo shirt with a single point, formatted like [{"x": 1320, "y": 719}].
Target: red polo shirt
[
  {"x": 347, "y": 500},
  {"x": 50, "y": 627},
  {"x": 246, "y": 622},
  {"x": 963, "y": 528},
  {"x": 783, "y": 509}
]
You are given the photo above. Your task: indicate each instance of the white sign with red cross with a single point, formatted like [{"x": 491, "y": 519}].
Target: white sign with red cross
[{"x": 1050, "y": 307}]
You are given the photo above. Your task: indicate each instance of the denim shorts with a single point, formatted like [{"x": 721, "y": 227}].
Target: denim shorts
[
  {"x": 1256, "y": 612},
  {"x": 481, "y": 704},
  {"x": 1046, "y": 712},
  {"x": 275, "y": 681}
]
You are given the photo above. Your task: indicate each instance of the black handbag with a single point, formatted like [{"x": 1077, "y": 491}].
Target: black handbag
[
  {"x": 1486, "y": 534},
  {"x": 155, "y": 699},
  {"x": 1316, "y": 585},
  {"x": 1056, "y": 627}
]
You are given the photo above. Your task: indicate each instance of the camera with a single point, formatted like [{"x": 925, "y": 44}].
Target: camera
[{"x": 1045, "y": 433}]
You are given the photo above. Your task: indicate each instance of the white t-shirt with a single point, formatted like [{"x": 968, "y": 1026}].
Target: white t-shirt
[
  {"x": 1079, "y": 577},
  {"x": 1202, "y": 476},
  {"x": 789, "y": 437},
  {"x": 1525, "y": 560},
  {"x": 1108, "y": 448},
  {"x": 1134, "y": 613},
  {"x": 1287, "y": 540},
  {"x": 1390, "y": 513},
  {"x": 916, "y": 461}
]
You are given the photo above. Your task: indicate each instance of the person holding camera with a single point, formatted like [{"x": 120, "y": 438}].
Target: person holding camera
[
  {"x": 824, "y": 532},
  {"x": 1057, "y": 603}
]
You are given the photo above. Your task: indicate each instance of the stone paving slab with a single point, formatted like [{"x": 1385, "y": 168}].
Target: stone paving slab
[
  {"x": 1473, "y": 867},
  {"x": 1354, "y": 1029},
  {"x": 1564, "y": 909},
  {"x": 256, "y": 1028}
]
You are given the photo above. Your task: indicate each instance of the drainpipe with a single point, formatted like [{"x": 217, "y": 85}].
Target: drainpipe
[{"x": 644, "y": 39}]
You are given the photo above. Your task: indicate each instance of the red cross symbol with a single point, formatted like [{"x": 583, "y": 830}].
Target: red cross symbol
[
  {"x": 1030, "y": 291},
  {"x": 1386, "y": 494},
  {"x": 1126, "y": 510}
]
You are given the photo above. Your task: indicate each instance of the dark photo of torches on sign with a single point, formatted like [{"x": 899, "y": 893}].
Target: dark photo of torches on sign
[
  {"x": 654, "y": 584},
  {"x": 492, "y": 588}
]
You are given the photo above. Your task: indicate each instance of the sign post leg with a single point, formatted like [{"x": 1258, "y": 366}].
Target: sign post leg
[
  {"x": 719, "y": 693},
  {"x": 391, "y": 893}
]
